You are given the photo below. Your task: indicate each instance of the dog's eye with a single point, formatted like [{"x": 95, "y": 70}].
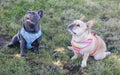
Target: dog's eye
[
  {"x": 78, "y": 25},
  {"x": 28, "y": 18}
]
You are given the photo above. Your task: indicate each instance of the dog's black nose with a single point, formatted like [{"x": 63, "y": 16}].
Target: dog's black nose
[{"x": 70, "y": 26}]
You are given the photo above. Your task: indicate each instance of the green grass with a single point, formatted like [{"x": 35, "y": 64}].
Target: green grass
[{"x": 58, "y": 14}]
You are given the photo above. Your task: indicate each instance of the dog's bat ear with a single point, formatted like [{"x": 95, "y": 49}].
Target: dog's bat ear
[
  {"x": 82, "y": 18},
  {"x": 90, "y": 23},
  {"x": 41, "y": 13}
]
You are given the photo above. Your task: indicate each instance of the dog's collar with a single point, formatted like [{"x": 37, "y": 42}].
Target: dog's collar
[
  {"x": 78, "y": 46},
  {"x": 30, "y": 37}
]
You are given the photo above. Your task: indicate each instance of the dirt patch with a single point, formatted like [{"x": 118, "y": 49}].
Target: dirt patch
[
  {"x": 74, "y": 69},
  {"x": 4, "y": 40}
]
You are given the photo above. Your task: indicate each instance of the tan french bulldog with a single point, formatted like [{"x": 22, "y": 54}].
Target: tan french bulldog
[{"x": 86, "y": 43}]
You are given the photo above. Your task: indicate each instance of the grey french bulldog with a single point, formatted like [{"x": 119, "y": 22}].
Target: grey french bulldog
[{"x": 30, "y": 34}]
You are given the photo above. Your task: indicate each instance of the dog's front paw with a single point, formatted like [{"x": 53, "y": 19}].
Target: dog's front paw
[
  {"x": 70, "y": 47},
  {"x": 84, "y": 64},
  {"x": 74, "y": 57},
  {"x": 22, "y": 55}
]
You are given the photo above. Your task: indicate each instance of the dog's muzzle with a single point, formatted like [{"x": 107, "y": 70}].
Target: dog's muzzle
[
  {"x": 31, "y": 24},
  {"x": 70, "y": 26}
]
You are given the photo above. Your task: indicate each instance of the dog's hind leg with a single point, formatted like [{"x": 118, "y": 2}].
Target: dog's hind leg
[
  {"x": 101, "y": 55},
  {"x": 14, "y": 41}
]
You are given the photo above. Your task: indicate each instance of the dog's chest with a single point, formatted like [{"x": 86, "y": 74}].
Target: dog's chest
[{"x": 30, "y": 37}]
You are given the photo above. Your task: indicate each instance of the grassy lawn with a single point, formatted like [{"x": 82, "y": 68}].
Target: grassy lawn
[{"x": 54, "y": 57}]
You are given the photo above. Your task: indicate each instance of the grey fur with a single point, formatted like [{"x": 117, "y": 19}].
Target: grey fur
[{"x": 31, "y": 25}]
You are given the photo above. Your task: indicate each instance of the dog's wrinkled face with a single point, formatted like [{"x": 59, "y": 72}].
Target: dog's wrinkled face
[
  {"x": 77, "y": 27},
  {"x": 31, "y": 20}
]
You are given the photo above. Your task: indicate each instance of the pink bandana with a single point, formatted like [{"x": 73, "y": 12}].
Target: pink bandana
[{"x": 77, "y": 46}]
